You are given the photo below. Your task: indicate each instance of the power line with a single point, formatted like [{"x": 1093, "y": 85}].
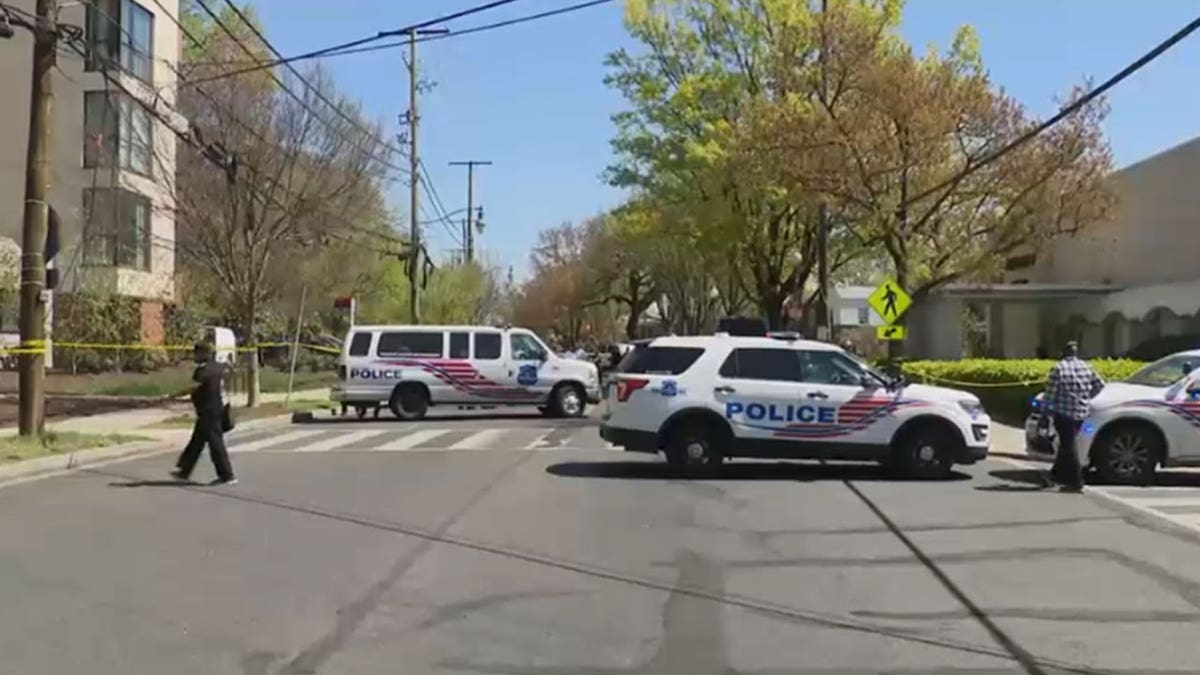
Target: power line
[
  {"x": 473, "y": 29},
  {"x": 294, "y": 96},
  {"x": 456, "y": 33},
  {"x": 1065, "y": 112},
  {"x": 320, "y": 95},
  {"x": 361, "y": 41}
]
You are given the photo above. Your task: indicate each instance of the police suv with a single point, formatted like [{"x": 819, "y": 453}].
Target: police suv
[
  {"x": 414, "y": 367},
  {"x": 702, "y": 400},
  {"x": 1150, "y": 419}
]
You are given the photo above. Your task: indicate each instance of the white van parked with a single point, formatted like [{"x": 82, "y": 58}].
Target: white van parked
[{"x": 414, "y": 367}]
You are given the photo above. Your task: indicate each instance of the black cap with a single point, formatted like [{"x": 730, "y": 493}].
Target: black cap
[
  {"x": 1071, "y": 348},
  {"x": 203, "y": 350}
]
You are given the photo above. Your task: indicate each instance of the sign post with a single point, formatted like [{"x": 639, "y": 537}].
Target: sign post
[{"x": 345, "y": 304}]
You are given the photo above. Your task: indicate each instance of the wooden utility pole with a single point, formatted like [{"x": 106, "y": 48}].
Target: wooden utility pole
[
  {"x": 414, "y": 262},
  {"x": 38, "y": 172},
  {"x": 469, "y": 235}
]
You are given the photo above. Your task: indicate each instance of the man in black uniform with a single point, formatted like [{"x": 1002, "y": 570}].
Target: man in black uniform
[{"x": 209, "y": 430}]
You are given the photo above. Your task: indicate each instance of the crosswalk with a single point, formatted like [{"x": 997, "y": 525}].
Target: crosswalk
[
  {"x": 407, "y": 438},
  {"x": 1179, "y": 505}
]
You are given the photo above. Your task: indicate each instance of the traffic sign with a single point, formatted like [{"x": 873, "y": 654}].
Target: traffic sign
[
  {"x": 889, "y": 332},
  {"x": 889, "y": 301}
]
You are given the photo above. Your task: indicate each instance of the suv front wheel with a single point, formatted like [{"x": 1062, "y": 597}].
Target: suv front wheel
[{"x": 923, "y": 453}]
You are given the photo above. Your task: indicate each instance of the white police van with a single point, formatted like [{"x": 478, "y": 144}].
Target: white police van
[
  {"x": 1148, "y": 420},
  {"x": 702, "y": 400},
  {"x": 415, "y": 367}
]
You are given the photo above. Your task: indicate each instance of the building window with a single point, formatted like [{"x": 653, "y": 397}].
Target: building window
[
  {"x": 120, "y": 33},
  {"x": 116, "y": 228},
  {"x": 1020, "y": 262},
  {"x": 864, "y": 316},
  {"x": 115, "y": 125}
]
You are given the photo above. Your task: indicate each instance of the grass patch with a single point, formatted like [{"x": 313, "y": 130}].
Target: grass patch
[
  {"x": 15, "y": 448},
  {"x": 258, "y": 412}
]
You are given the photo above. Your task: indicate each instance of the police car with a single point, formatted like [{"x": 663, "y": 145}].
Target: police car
[
  {"x": 1151, "y": 419},
  {"x": 414, "y": 367},
  {"x": 705, "y": 399}
]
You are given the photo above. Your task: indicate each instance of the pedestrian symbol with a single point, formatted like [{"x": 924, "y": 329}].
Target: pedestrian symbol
[
  {"x": 889, "y": 332},
  {"x": 889, "y": 301}
]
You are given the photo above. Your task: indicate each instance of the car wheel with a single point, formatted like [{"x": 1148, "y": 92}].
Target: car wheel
[
  {"x": 1128, "y": 454},
  {"x": 926, "y": 452},
  {"x": 409, "y": 403},
  {"x": 568, "y": 400},
  {"x": 695, "y": 447}
]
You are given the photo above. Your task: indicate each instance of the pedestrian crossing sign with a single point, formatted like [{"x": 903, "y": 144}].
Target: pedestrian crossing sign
[
  {"x": 889, "y": 301},
  {"x": 889, "y": 332}
]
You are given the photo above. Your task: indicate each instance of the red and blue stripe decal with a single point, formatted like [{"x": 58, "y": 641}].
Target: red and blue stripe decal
[
  {"x": 858, "y": 414},
  {"x": 1188, "y": 411},
  {"x": 463, "y": 376}
]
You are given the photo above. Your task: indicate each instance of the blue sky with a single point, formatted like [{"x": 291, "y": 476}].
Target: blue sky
[{"x": 531, "y": 98}]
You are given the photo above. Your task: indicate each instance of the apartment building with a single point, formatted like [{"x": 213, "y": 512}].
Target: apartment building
[
  {"x": 1129, "y": 283},
  {"x": 113, "y": 160}
]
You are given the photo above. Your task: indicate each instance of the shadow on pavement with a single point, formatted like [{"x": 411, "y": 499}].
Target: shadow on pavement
[
  {"x": 386, "y": 417},
  {"x": 1018, "y": 480},
  {"x": 789, "y": 471},
  {"x": 152, "y": 483}
]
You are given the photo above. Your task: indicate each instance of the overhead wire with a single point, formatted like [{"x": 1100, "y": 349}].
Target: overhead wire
[
  {"x": 361, "y": 41},
  {"x": 1062, "y": 114}
]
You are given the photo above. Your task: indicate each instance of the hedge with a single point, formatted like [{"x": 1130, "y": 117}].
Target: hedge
[{"x": 1005, "y": 386}]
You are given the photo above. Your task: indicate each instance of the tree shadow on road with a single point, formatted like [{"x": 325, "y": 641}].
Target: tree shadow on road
[{"x": 781, "y": 471}]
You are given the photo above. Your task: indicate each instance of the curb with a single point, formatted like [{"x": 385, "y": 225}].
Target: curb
[{"x": 44, "y": 467}]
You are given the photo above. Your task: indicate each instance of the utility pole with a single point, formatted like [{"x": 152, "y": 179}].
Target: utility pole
[
  {"x": 469, "y": 240},
  {"x": 414, "y": 164},
  {"x": 32, "y": 373},
  {"x": 824, "y": 325}
]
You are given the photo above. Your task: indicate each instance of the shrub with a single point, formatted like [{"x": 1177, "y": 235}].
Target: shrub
[
  {"x": 101, "y": 319},
  {"x": 1005, "y": 386}
]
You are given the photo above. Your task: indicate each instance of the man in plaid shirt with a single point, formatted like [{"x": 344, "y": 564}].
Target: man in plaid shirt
[{"x": 1073, "y": 383}]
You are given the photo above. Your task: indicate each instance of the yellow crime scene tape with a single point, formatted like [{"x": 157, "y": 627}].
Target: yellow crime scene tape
[
  {"x": 39, "y": 347},
  {"x": 975, "y": 385}
]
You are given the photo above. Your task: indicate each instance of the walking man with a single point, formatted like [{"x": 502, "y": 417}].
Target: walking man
[
  {"x": 1072, "y": 385},
  {"x": 210, "y": 412}
]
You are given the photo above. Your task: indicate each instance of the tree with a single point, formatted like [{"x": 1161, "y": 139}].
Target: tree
[
  {"x": 617, "y": 258},
  {"x": 297, "y": 177},
  {"x": 912, "y": 138}
]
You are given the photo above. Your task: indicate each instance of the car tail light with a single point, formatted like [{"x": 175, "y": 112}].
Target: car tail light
[{"x": 626, "y": 387}]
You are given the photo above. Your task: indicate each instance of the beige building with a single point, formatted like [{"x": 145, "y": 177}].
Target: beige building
[
  {"x": 1131, "y": 283},
  {"x": 113, "y": 160}
]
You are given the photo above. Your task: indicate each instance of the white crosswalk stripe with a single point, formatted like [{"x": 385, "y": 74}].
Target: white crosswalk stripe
[
  {"x": 479, "y": 440},
  {"x": 269, "y": 440},
  {"x": 412, "y": 440},
  {"x": 347, "y": 440},
  {"x": 318, "y": 439}
]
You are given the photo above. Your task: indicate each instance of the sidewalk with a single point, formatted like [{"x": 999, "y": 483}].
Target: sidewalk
[{"x": 135, "y": 421}]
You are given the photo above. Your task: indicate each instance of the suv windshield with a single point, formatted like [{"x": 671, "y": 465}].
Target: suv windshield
[
  {"x": 867, "y": 368},
  {"x": 1165, "y": 372}
]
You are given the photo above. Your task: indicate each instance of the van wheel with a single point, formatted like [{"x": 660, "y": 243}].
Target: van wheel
[
  {"x": 695, "y": 448},
  {"x": 1127, "y": 454},
  {"x": 409, "y": 402},
  {"x": 924, "y": 453},
  {"x": 568, "y": 400}
]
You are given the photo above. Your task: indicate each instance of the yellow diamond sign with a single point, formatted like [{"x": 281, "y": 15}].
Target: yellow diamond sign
[
  {"x": 889, "y": 332},
  {"x": 889, "y": 301}
]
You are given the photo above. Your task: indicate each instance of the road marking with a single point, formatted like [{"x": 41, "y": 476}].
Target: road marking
[
  {"x": 480, "y": 440},
  {"x": 537, "y": 442},
  {"x": 270, "y": 440},
  {"x": 412, "y": 440},
  {"x": 338, "y": 441}
]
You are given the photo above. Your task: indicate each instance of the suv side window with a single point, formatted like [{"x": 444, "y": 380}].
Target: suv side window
[
  {"x": 829, "y": 367},
  {"x": 525, "y": 348},
  {"x": 360, "y": 344},
  {"x": 774, "y": 365}
]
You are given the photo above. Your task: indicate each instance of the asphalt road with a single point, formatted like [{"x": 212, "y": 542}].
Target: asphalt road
[{"x": 542, "y": 555}]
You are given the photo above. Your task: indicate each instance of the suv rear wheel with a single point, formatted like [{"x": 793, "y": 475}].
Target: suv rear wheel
[{"x": 694, "y": 447}]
